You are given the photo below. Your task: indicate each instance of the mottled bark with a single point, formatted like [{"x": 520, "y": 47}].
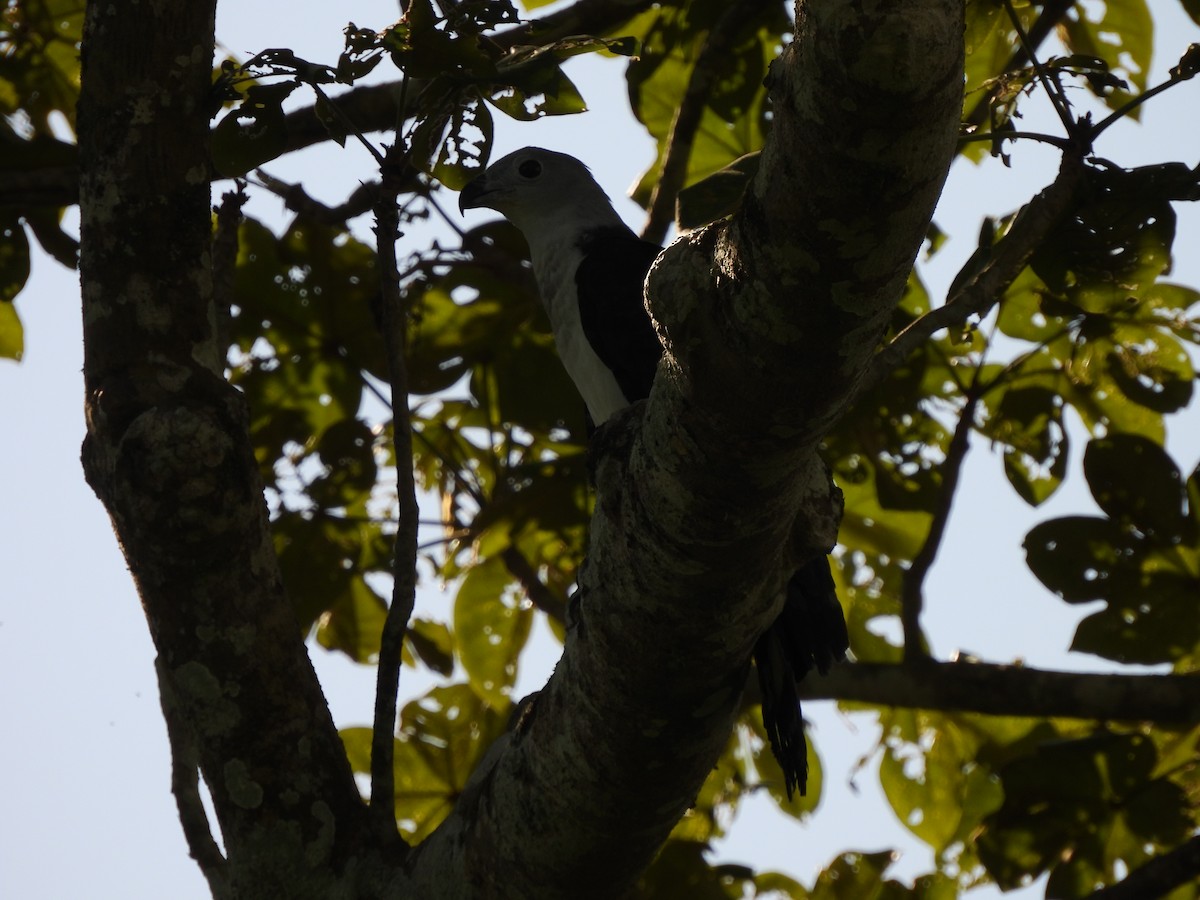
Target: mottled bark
[{"x": 167, "y": 451}]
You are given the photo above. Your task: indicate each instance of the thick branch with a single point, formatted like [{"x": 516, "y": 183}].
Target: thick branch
[
  {"x": 371, "y": 108},
  {"x": 1013, "y": 691},
  {"x": 819, "y": 254},
  {"x": 1158, "y": 877}
]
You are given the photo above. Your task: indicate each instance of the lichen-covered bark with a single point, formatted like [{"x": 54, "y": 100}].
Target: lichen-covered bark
[
  {"x": 167, "y": 452},
  {"x": 712, "y": 490}
]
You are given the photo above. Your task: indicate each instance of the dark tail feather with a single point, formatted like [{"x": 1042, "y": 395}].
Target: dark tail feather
[{"x": 809, "y": 634}]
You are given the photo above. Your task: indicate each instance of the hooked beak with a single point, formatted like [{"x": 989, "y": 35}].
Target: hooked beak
[{"x": 472, "y": 193}]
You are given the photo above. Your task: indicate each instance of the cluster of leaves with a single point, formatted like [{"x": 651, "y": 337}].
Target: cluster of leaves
[
  {"x": 453, "y": 76},
  {"x": 39, "y": 83},
  {"x": 499, "y": 435}
]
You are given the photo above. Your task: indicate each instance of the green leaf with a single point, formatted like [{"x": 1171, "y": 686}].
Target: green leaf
[
  {"x": 461, "y": 153},
  {"x": 355, "y": 623},
  {"x": 542, "y": 90},
  {"x": 39, "y": 61},
  {"x": 421, "y": 49},
  {"x": 716, "y": 196},
  {"x": 733, "y": 122},
  {"x": 931, "y": 778},
  {"x": 491, "y": 625},
  {"x": 12, "y": 335},
  {"x": 1121, "y": 34},
  {"x": 852, "y": 874},
  {"x": 1028, "y": 421},
  {"x": 1151, "y": 368},
  {"x": 14, "y": 258},
  {"x": 443, "y": 737},
  {"x": 347, "y": 450}
]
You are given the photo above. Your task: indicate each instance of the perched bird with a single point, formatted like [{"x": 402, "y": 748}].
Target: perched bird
[{"x": 591, "y": 270}]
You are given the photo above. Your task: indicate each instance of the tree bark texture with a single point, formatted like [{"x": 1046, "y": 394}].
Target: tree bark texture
[{"x": 168, "y": 453}]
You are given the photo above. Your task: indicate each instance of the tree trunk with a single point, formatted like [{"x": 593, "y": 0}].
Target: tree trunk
[{"x": 168, "y": 453}]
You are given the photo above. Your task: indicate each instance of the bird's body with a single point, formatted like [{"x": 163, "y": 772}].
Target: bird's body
[{"x": 591, "y": 270}]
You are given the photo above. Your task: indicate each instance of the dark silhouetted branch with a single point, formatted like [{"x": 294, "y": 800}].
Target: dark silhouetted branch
[
  {"x": 1001, "y": 690},
  {"x": 1158, "y": 877}
]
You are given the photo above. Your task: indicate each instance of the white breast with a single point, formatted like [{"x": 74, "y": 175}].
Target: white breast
[{"x": 554, "y": 268}]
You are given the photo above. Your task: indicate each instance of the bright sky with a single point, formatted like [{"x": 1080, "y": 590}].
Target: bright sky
[{"x": 84, "y": 770}]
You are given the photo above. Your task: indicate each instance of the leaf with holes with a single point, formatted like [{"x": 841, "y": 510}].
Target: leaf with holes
[
  {"x": 491, "y": 625},
  {"x": 1135, "y": 482}
]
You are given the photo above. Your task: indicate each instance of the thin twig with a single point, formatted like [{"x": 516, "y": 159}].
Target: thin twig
[
  {"x": 1053, "y": 140},
  {"x": 404, "y": 563},
  {"x": 348, "y": 123},
  {"x": 446, "y": 217},
  {"x": 912, "y": 591},
  {"x": 673, "y": 173},
  {"x": 1051, "y": 85},
  {"x": 1128, "y": 107}
]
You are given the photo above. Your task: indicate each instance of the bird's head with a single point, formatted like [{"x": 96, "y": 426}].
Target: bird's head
[{"x": 541, "y": 192}]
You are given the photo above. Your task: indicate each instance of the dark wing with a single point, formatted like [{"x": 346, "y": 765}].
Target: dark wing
[{"x": 612, "y": 311}]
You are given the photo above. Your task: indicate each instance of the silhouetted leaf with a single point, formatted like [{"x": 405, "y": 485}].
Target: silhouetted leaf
[
  {"x": 432, "y": 643},
  {"x": 14, "y": 258},
  {"x": 1084, "y": 558},
  {"x": 1135, "y": 482},
  {"x": 1067, "y": 808},
  {"x": 1159, "y": 624},
  {"x": 254, "y": 132}
]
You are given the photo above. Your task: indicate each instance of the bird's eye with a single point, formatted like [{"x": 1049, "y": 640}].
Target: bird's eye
[{"x": 531, "y": 168}]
